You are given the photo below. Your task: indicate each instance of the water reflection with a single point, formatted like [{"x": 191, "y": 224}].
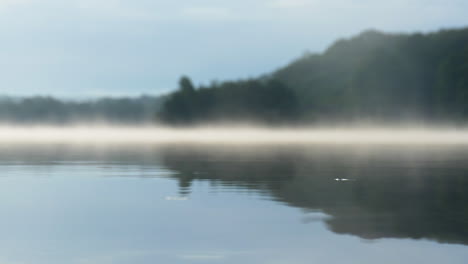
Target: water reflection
[{"x": 370, "y": 192}]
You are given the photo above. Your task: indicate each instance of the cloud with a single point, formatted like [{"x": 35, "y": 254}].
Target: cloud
[
  {"x": 134, "y": 46},
  {"x": 4, "y": 4},
  {"x": 290, "y": 3},
  {"x": 206, "y": 12},
  {"x": 111, "y": 8}
]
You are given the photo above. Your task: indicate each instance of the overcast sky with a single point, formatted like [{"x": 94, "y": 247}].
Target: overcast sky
[{"x": 88, "y": 48}]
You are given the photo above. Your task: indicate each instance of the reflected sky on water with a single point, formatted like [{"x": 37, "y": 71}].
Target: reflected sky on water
[{"x": 227, "y": 204}]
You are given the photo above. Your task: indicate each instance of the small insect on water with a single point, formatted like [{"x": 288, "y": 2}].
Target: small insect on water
[{"x": 344, "y": 179}]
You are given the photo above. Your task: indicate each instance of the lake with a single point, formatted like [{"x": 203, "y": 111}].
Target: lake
[{"x": 215, "y": 203}]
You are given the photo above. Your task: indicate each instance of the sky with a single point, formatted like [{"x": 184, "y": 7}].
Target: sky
[{"x": 91, "y": 48}]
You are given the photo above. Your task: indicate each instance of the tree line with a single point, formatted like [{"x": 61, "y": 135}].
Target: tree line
[
  {"x": 49, "y": 110},
  {"x": 267, "y": 101},
  {"x": 387, "y": 77},
  {"x": 370, "y": 77},
  {"x": 373, "y": 76}
]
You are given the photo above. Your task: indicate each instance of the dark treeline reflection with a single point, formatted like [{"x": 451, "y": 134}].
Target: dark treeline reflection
[
  {"x": 369, "y": 191},
  {"x": 372, "y": 193}
]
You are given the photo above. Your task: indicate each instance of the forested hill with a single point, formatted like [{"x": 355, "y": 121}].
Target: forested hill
[
  {"x": 373, "y": 76},
  {"x": 385, "y": 76}
]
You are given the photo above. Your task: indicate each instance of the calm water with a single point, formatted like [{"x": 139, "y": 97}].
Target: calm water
[{"x": 223, "y": 204}]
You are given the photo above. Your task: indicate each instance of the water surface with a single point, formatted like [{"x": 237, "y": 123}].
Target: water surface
[{"x": 192, "y": 203}]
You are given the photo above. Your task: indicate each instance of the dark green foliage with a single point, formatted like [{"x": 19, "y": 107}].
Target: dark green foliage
[
  {"x": 373, "y": 76},
  {"x": 453, "y": 73},
  {"x": 50, "y": 110},
  {"x": 251, "y": 100},
  {"x": 186, "y": 86},
  {"x": 386, "y": 77}
]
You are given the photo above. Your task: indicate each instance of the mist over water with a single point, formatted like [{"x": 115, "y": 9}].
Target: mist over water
[
  {"x": 355, "y": 152},
  {"x": 232, "y": 135},
  {"x": 199, "y": 203}
]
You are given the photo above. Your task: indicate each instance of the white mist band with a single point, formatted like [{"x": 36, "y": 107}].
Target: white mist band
[{"x": 227, "y": 135}]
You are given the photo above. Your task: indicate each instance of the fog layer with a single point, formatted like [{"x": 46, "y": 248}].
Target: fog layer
[{"x": 231, "y": 135}]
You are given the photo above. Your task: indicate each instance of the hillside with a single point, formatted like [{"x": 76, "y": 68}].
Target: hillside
[
  {"x": 374, "y": 76},
  {"x": 385, "y": 76}
]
